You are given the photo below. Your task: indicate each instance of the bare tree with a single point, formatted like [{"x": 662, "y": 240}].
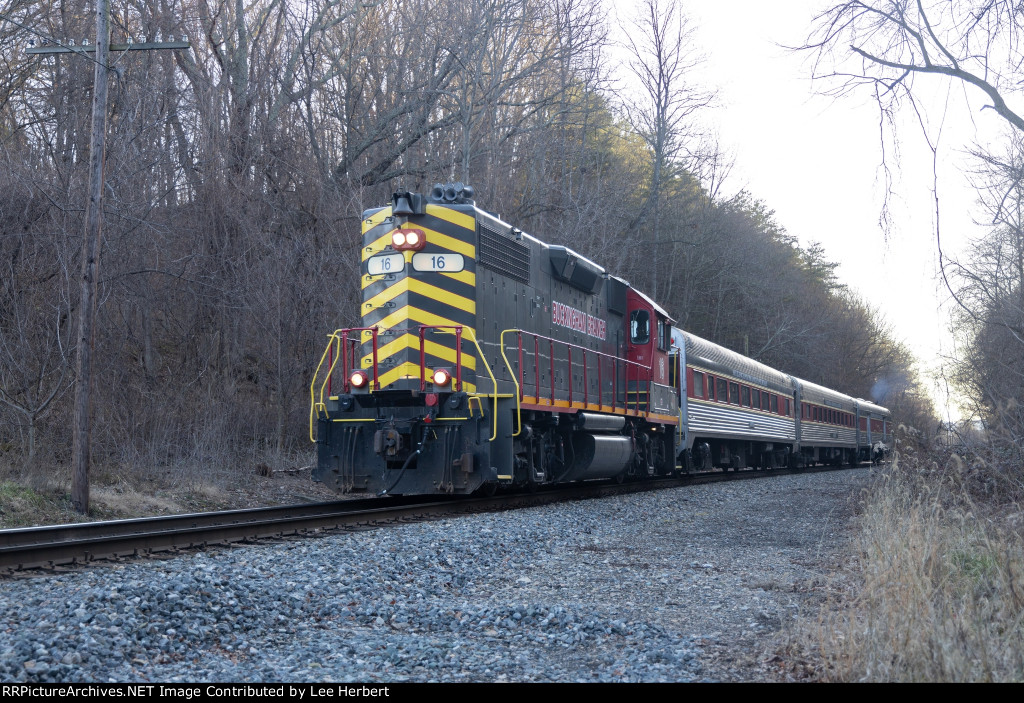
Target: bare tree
[
  {"x": 664, "y": 60},
  {"x": 35, "y": 308},
  {"x": 891, "y": 47},
  {"x": 889, "y": 44},
  {"x": 990, "y": 294}
]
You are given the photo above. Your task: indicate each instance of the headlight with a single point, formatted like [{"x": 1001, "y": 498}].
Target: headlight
[
  {"x": 359, "y": 379},
  {"x": 402, "y": 239}
]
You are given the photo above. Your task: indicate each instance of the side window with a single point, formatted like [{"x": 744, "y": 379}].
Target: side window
[
  {"x": 757, "y": 398},
  {"x": 734, "y": 393},
  {"x": 745, "y": 395},
  {"x": 698, "y": 384},
  {"x": 664, "y": 335},
  {"x": 639, "y": 327},
  {"x": 722, "y": 391}
]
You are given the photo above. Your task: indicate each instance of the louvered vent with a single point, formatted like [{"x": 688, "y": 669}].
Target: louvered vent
[{"x": 503, "y": 254}]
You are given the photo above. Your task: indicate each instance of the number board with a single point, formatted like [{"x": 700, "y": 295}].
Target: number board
[
  {"x": 447, "y": 263},
  {"x": 385, "y": 263}
]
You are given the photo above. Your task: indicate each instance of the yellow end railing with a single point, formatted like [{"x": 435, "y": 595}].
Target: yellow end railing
[{"x": 335, "y": 341}]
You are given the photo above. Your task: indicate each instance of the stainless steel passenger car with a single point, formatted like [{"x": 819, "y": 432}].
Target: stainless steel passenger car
[
  {"x": 874, "y": 430},
  {"x": 827, "y": 424},
  {"x": 736, "y": 412}
]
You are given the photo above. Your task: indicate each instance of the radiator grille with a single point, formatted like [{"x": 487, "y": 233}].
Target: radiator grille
[{"x": 503, "y": 254}]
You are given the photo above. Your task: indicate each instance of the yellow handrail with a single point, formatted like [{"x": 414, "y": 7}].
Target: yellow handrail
[
  {"x": 470, "y": 334},
  {"x": 512, "y": 375},
  {"x": 313, "y": 404}
]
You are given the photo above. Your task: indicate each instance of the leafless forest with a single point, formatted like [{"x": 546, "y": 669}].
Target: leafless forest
[{"x": 236, "y": 172}]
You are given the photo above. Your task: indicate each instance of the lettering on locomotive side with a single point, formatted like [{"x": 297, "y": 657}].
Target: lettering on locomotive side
[{"x": 565, "y": 316}]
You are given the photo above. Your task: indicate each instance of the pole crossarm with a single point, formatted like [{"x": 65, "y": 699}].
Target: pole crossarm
[{"x": 91, "y": 48}]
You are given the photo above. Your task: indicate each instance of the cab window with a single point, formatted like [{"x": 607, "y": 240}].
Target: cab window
[
  {"x": 664, "y": 335},
  {"x": 639, "y": 327}
]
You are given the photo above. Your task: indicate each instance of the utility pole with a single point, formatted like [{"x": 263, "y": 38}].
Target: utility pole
[
  {"x": 92, "y": 245},
  {"x": 82, "y": 425}
]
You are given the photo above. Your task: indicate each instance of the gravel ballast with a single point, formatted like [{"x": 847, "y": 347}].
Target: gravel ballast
[{"x": 689, "y": 584}]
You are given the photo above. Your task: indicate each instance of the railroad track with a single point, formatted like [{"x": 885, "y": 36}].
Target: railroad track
[{"x": 48, "y": 547}]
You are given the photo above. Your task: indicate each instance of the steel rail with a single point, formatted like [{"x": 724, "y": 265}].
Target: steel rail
[
  {"x": 51, "y": 546},
  {"x": 47, "y": 546}
]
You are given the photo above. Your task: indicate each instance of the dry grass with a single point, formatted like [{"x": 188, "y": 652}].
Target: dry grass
[
  {"x": 940, "y": 583},
  {"x": 125, "y": 499},
  {"x": 40, "y": 494}
]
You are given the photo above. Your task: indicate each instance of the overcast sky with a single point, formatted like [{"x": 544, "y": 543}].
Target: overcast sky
[{"x": 816, "y": 160}]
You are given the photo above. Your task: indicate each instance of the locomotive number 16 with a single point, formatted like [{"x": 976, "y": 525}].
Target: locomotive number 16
[{"x": 448, "y": 263}]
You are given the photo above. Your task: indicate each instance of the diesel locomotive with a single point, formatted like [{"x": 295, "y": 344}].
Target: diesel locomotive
[{"x": 487, "y": 358}]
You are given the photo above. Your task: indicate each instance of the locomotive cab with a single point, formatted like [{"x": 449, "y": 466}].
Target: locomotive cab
[{"x": 649, "y": 341}]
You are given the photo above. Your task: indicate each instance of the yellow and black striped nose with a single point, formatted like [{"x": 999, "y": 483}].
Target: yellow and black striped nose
[{"x": 412, "y": 295}]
